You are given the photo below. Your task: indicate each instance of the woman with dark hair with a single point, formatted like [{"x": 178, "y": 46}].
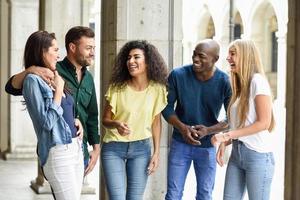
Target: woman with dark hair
[
  {"x": 135, "y": 98},
  {"x": 50, "y": 107}
]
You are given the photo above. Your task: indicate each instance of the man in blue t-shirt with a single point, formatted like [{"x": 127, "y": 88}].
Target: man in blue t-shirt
[{"x": 198, "y": 91}]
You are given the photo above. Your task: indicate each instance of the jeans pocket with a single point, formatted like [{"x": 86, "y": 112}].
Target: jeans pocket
[{"x": 271, "y": 158}]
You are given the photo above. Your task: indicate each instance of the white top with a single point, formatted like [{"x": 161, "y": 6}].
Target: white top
[{"x": 261, "y": 141}]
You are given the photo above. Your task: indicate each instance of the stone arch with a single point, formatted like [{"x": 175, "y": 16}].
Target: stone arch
[
  {"x": 223, "y": 33},
  {"x": 238, "y": 25},
  {"x": 264, "y": 26},
  {"x": 203, "y": 27}
]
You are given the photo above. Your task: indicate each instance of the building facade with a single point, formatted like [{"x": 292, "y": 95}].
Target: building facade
[{"x": 175, "y": 27}]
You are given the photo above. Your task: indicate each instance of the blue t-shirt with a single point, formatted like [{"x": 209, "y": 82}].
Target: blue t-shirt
[
  {"x": 67, "y": 104},
  {"x": 197, "y": 102}
]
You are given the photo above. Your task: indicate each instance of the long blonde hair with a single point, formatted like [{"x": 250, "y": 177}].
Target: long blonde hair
[{"x": 249, "y": 62}]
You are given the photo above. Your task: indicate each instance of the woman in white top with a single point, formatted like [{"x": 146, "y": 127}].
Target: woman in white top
[{"x": 251, "y": 164}]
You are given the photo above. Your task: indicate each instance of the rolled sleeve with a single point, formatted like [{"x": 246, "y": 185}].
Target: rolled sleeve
[
  {"x": 11, "y": 90},
  {"x": 171, "y": 98},
  {"x": 57, "y": 108}
]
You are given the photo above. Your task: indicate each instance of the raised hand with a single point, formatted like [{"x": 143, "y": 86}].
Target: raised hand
[
  {"x": 123, "y": 128},
  {"x": 58, "y": 82}
]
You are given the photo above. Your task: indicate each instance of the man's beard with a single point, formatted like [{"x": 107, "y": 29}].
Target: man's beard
[{"x": 83, "y": 62}]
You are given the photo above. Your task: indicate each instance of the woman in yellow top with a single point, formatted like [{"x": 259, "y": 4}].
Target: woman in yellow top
[{"x": 135, "y": 98}]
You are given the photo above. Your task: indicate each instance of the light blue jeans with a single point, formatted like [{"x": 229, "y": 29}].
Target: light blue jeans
[
  {"x": 248, "y": 169},
  {"x": 125, "y": 168},
  {"x": 180, "y": 158}
]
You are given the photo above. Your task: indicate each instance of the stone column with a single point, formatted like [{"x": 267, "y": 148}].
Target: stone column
[
  {"x": 22, "y": 138},
  {"x": 158, "y": 22},
  {"x": 281, "y": 68},
  {"x": 279, "y": 112},
  {"x": 292, "y": 148},
  {"x": 4, "y": 74},
  {"x": 223, "y": 40}
]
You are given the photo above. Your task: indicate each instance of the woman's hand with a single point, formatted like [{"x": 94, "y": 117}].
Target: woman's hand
[
  {"x": 220, "y": 137},
  {"x": 79, "y": 128},
  {"x": 123, "y": 128},
  {"x": 220, "y": 154},
  {"x": 58, "y": 82},
  {"x": 153, "y": 164}
]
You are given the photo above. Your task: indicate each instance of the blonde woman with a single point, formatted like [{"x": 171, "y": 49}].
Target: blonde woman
[{"x": 251, "y": 164}]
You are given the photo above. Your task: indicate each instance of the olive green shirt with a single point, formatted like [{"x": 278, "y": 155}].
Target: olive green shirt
[{"x": 85, "y": 101}]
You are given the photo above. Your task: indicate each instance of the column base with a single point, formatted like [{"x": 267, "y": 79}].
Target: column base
[
  {"x": 22, "y": 153},
  {"x": 40, "y": 189}
]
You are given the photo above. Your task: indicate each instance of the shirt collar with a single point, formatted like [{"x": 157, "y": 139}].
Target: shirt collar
[{"x": 69, "y": 65}]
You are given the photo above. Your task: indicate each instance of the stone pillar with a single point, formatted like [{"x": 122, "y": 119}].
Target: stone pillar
[
  {"x": 4, "y": 74},
  {"x": 279, "y": 112},
  {"x": 292, "y": 148},
  {"x": 22, "y": 137},
  {"x": 224, "y": 42},
  {"x": 281, "y": 69},
  {"x": 158, "y": 22}
]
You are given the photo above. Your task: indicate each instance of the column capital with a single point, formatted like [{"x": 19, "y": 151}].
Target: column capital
[
  {"x": 24, "y": 3},
  {"x": 281, "y": 36}
]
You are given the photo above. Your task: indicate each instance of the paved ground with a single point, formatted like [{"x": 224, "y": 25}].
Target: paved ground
[{"x": 15, "y": 177}]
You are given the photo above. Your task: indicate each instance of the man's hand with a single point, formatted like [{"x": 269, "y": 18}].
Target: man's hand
[
  {"x": 189, "y": 134},
  {"x": 79, "y": 127},
  {"x": 201, "y": 131},
  {"x": 45, "y": 73},
  {"x": 93, "y": 159}
]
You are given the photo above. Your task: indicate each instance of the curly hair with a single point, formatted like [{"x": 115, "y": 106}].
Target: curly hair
[{"x": 156, "y": 67}]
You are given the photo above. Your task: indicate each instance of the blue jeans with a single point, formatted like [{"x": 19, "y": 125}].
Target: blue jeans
[
  {"x": 180, "y": 158},
  {"x": 125, "y": 168},
  {"x": 248, "y": 169}
]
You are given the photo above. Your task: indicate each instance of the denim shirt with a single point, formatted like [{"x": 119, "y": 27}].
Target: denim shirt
[{"x": 46, "y": 116}]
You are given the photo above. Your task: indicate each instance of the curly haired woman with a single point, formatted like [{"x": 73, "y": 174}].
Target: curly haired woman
[{"x": 134, "y": 101}]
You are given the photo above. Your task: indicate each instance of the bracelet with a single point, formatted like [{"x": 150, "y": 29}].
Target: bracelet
[{"x": 226, "y": 136}]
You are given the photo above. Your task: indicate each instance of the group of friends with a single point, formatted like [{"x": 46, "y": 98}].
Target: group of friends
[{"x": 60, "y": 98}]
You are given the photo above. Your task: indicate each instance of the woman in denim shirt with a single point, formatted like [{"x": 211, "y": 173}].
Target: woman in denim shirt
[{"x": 50, "y": 107}]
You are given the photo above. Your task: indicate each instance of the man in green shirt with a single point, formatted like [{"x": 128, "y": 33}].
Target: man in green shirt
[{"x": 80, "y": 46}]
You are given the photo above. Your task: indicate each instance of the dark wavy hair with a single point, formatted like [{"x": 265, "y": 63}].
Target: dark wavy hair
[
  {"x": 37, "y": 43},
  {"x": 156, "y": 68}
]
